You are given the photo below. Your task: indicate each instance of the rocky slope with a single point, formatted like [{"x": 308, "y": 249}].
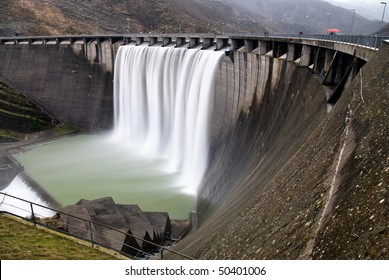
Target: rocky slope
[
  {"x": 19, "y": 115},
  {"x": 35, "y": 17}
]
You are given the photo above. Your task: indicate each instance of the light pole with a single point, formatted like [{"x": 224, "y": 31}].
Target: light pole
[
  {"x": 306, "y": 23},
  {"x": 352, "y": 21},
  {"x": 328, "y": 21},
  {"x": 383, "y": 13},
  {"x": 128, "y": 25},
  {"x": 287, "y": 22}
]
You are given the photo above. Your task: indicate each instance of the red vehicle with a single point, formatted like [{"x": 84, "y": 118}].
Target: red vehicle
[{"x": 333, "y": 31}]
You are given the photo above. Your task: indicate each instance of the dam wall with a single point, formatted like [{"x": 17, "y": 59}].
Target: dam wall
[
  {"x": 290, "y": 179},
  {"x": 70, "y": 81},
  {"x": 264, "y": 110},
  {"x": 294, "y": 172},
  {"x": 71, "y": 77}
]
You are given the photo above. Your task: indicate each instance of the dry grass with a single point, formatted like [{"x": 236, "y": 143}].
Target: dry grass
[{"x": 22, "y": 241}]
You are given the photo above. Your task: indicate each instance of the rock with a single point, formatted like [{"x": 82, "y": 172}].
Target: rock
[{"x": 125, "y": 228}]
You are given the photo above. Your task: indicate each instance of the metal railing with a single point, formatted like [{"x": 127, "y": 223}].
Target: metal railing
[
  {"x": 58, "y": 223},
  {"x": 366, "y": 41},
  {"x": 359, "y": 40}
]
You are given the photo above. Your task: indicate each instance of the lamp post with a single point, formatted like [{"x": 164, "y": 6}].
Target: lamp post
[
  {"x": 328, "y": 21},
  {"x": 287, "y": 22},
  {"x": 128, "y": 25},
  {"x": 383, "y": 13},
  {"x": 352, "y": 21}
]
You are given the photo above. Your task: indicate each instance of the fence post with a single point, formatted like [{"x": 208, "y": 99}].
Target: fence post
[
  {"x": 32, "y": 214},
  {"x": 91, "y": 234}
]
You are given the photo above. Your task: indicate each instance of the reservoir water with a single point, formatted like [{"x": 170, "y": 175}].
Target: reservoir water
[{"x": 91, "y": 167}]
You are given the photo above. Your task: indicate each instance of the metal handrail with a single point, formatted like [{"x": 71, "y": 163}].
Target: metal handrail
[
  {"x": 361, "y": 40},
  {"x": 358, "y": 40},
  {"x": 90, "y": 222}
]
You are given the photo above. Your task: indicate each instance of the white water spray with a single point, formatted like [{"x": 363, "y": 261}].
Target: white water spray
[
  {"x": 163, "y": 98},
  {"x": 25, "y": 194}
]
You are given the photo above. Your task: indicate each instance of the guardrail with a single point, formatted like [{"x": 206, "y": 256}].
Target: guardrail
[
  {"x": 360, "y": 40},
  {"x": 56, "y": 222},
  {"x": 366, "y": 41}
]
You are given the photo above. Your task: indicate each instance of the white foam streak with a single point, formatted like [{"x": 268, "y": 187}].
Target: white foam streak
[
  {"x": 162, "y": 105},
  {"x": 19, "y": 188}
]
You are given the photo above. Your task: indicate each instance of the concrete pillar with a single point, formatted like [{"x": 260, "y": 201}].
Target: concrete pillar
[
  {"x": 166, "y": 41},
  {"x": 153, "y": 41},
  {"x": 207, "y": 42},
  {"x": 113, "y": 40},
  {"x": 329, "y": 55},
  {"x": 250, "y": 45},
  {"x": 236, "y": 44},
  {"x": 139, "y": 40},
  {"x": 180, "y": 41},
  {"x": 221, "y": 43},
  {"x": 291, "y": 51},
  {"x": 334, "y": 71},
  {"x": 305, "y": 56},
  {"x": 127, "y": 40},
  {"x": 194, "y": 41},
  {"x": 263, "y": 47}
]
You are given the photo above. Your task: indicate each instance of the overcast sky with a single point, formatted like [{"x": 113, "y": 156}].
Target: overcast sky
[{"x": 370, "y": 8}]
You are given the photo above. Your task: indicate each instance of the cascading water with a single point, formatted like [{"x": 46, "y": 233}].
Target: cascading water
[
  {"x": 157, "y": 154},
  {"x": 19, "y": 206},
  {"x": 163, "y": 99}
]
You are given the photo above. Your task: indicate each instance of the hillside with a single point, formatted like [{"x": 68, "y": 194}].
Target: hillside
[
  {"x": 18, "y": 116},
  {"x": 309, "y": 16},
  {"x": 384, "y": 30},
  {"x": 53, "y": 17}
]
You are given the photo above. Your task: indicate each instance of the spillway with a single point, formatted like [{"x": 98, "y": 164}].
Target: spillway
[
  {"x": 157, "y": 153},
  {"x": 163, "y": 103},
  {"x": 22, "y": 189}
]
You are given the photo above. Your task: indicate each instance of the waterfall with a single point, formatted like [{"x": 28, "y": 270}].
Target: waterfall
[{"x": 163, "y": 98}]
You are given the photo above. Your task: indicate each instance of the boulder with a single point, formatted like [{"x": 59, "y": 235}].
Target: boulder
[{"x": 125, "y": 228}]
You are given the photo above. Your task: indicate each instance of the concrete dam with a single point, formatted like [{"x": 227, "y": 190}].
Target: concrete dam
[{"x": 298, "y": 160}]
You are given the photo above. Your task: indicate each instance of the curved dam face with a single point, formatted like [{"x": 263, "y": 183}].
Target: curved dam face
[
  {"x": 287, "y": 178},
  {"x": 265, "y": 110}
]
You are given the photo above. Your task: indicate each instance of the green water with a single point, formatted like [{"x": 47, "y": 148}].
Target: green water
[{"x": 90, "y": 167}]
